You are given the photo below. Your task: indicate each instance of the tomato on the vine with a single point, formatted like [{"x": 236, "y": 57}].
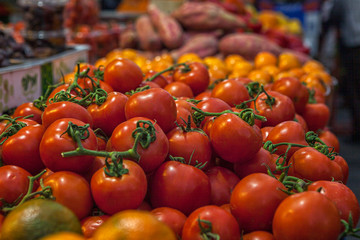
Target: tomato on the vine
[
  {"x": 171, "y": 217},
  {"x": 231, "y": 91},
  {"x": 91, "y": 223}
]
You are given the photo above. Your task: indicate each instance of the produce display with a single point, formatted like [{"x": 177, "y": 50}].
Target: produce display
[{"x": 193, "y": 148}]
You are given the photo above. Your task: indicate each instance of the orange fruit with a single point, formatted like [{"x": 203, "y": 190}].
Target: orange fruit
[
  {"x": 216, "y": 74},
  {"x": 231, "y": 60},
  {"x": 242, "y": 69},
  {"x": 129, "y": 53},
  {"x": 324, "y": 76},
  {"x": 283, "y": 74},
  {"x": 288, "y": 61},
  {"x": 189, "y": 57},
  {"x": 101, "y": 62},
  {"x": 297, "y": 72},
  {"x": 268, "y": 19},
  {"x": 68, "y": 78},
  {"x": 140, "y": 61},
  {"x": 312, "y": 65},
  {"x": 272, "y": 70},
  {"x": 214, "y": 62},
  {"x": 37, "y": 218},
  {"x": 63, "y": 236},
  {"x": 260, "y": 76},
  {"x": 133, "y": 225},
  {"x": 313, "y": 81},
  {"x": 263, "y": 59}
]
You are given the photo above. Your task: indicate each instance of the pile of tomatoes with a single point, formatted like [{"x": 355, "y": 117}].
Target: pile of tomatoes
[{"x": 213, "y": 158}]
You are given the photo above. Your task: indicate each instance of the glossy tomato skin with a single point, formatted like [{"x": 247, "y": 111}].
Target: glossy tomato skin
[
  {"x": 282, "y": 110},
  {"x": 123, "y": 75},
  {"x": 222, "y": 182},
  {"x": 179, "y": 89},
  {"x": 65, "y": 109},
  {"x": 233, "y": 139},
  {"x": 160, "y": 80},
  {"x": 22, "y": 149},
  {"x": 114, "y": 194},
  {"x": 330, "y": 139},
  {"x": 71, "y": 190},
  {"x": 55, "y": 142},
  {"x": 91, "y": 223},
  {"x": 193, "y": 146},
  {"x": 197, "y": 78},
  {"x": 288, "y": 131},
  {"x": 231, "y": 91},
  {"x": 316, "y": 115},
  {"x": 180, "y": 186},
  {"x": 308, "y": 163},
  {"x": 260, "y": 163},
  {"x": 171, "y": 217},
  {"x": 214, "y": 105},
  {"x": 27, "y": 109},
  {"x": 14, "y": 182},
  {"x": 343, "y": 197},
  {"x": 110, "y": 114},
  {"x": 344, "y": 167},
  {"x": 307, "y": 215},
  {"x": 254, "y": 201},
  {"x": 258, "y": 235},
  {"x": 223, "y": 223},
  {"x": 294, "y": 89},
  {"x": 151, "y": 157},
  {"x": 183, "y": 112},
  {"x": 156, "y": 104}
]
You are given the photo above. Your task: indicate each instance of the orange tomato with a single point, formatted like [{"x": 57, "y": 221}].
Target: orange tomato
[
  {"x": 288, "y": 61},
  {"x": 272, "y": 70},
  {"x": 63, "y": 235},
  {"x": 260, "y": 76},
  {"x": 231, "y": 60},
  {"x": 101, "y": 62},
  {"x": 263, "y": 59},
  {"x": 189, "y": 57},
  {"x": 312, "y": 65},
  {"x": 242, "y": 69},
  {"x": 313, "y": 81}
]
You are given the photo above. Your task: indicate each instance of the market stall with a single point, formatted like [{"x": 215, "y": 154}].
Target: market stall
[{"x": 185, "y": 120}]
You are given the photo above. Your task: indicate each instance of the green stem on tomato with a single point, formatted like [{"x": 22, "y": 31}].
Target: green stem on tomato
[{"x": 171, "y": 68}]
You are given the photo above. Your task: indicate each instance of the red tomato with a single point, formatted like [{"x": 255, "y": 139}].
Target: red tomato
[
  {"x": 180, "y": 186},
  {"x": 344, "y": 199},
  {"x": 27, "y": 109},
  {"x": 308, "y": 163},
  {"x": 110, "y": 114},
  {"x": 22, "y": 149},
  {"x": 151, "y": 157},
  {"x": 265, "y": 132},
  {"x": 171, "y": 217},
  {"x": 294, "y": 89},
  {"x": 233, "y": 139},
  {"x": 204, "y": 95},
  {"x": 214, "y": 105},
  {"x": 88, "y": 85},
  {"x": 183, "y": 112},
  {"x": 179, "y": 89},
  {"x": 231, "y": 91},
  {"x": 63, "y": 87},
  {"x": 91, "y": 223},
  {"x": 330, "y": 139},
  {"x": 316, "y": 115},
  {"x": 288, "y": 131},
  {"x": 63, "y": 186},
  {"x": 254, "y": 201},
  {"x": 222, "y": 182},
  {"x": 307, "y": 215},
  {"x": 160, "y": 80},
  {"x": 282, "y": 109},
  {"x": 262, "y": 160},
  {"x": 55, "y": 141},
  {"x": 114, "y": 194},
  {"x": 14, "y": 182},
  {"x": 192, "y": 145},
  {"x": 344, "y": 167},
  {"x": 258, "y": 235},
  {"x": 222, "y": 223},
  {"x": 298, "y": 118},
  {"x": 156, "y": 104},
  {"x": 123, "y": 75},
  {"x": 64, "y": 109},
  {"x": 2, "y": 217},
  {"x": 150, "y": 84},
  {"x": 197, "y": 77}
]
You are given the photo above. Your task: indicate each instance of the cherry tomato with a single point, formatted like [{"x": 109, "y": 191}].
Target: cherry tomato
[
  {"x": 254, "y": 201},
  {"x": 113, "y": 194},
  {"x": 222, "y": 183},
  {"x": 22, "y": 148},
  {"x": 233, "y": 139},
  {"x": 160, "y": 80},
  {"x": 65, "y": 109},
  {"x": 151, "y": 157},
  {"x": 71, "y": 190},
  {"x": 231, "y": 91},
  {"x": 197, "y": 76},
  {"x": 27, "y": 109},
  {"x": 316, "y": 115},
  {"x": 110, "y": 114},
  {"x": 194, "y": 146},
  {"x": 282, "y": 109},
  {"x": 222, "y": 223},
  {"x": 307, "y": 215},
  {"x": 309, "y": 163},
  {"x": 171, "y": 217},
  {"x": 179, "y": 89},
  {"x": 14, "y": 183},
  {"x": 123, "y": 75},
  {"x": 344, "y": 199},
  {"x": 180, "y": 186},
  {"x": 156, "y": 104},
  {"x": 56, "y": 141},
  {"x": 91, "y": 223},
  {"x": 204, "y": 95}
]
